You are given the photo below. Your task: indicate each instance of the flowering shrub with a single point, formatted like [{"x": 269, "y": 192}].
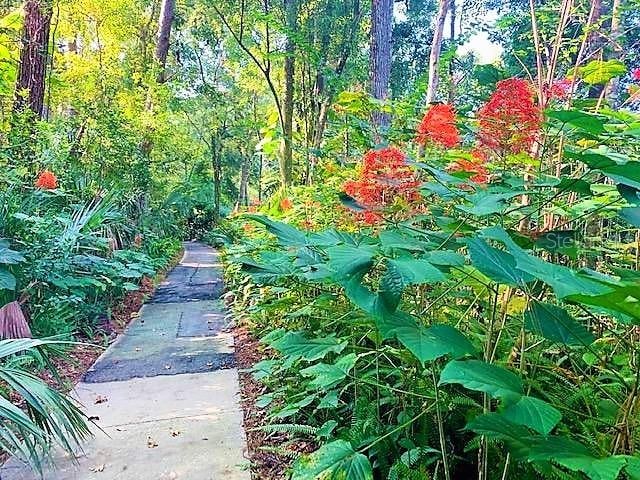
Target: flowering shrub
[
  {"x": 384, "y": 178},
  {"x": 47, "y": 181},
  {"x": 438, "y": 127},
  {"x": 510, "y": 121}
]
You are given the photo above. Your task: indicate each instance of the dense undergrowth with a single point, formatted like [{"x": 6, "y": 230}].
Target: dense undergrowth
[{"x": 466, "y": 307}]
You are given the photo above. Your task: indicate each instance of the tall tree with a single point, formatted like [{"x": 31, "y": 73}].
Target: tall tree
[
  {"x": 436, "y": 47},
  {"x": 286, "y": 157},
  {"x": 167, "y": 13},
  {"x": 30, "y": 84},
  {"x": 380, "y": 56}
]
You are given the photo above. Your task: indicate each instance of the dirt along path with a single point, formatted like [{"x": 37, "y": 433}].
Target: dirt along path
[{"x": 164, "y": 396}]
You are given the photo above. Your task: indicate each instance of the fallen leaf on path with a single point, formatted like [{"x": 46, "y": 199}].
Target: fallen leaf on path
[
  {"x": 98, "y": 468},
  {"x": 151, "y": 443},
  {"x": 175, "y": 433},
  {"x": 101, "y": 399},
  {"x": 94, "y": 418}
]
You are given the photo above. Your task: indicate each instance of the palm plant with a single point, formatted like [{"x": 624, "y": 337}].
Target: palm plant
[{"x": 34, "y": 416}]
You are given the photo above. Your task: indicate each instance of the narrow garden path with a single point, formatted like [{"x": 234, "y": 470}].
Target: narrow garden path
[{"x": 164, "y": 396}]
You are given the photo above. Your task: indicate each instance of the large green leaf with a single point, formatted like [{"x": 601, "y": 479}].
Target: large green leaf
[
  {"x": 334, "y": 461},
  {"x": 296, "y": 345},
  {"x": 496, "y": 426},
  {"x": 576, "y": 457},
  {"x": 533, "y": 413},
  {"x": 8, "y": 256},
  {"x": 583, "y": 121},
  {"x": 599, "y": 72},
  {"x": 415, "y": 271},
  {"x": 347, "y": 261},
  {"x": 7, "y": 280},
  {"x": 285, "y": 233},
  {"x": 563, "y": 280},
  {"x": 326, "y": 375},
  {"x": 428, "y": 344},
  {"x": 555, "y": 324},
  {"x": 496, "y": 264},
  {"x": 484, "y": 377},
  {"x": 485, "y": 203}
]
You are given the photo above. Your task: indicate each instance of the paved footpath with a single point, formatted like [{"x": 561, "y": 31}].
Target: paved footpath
[{"x": 164, "y": 396}]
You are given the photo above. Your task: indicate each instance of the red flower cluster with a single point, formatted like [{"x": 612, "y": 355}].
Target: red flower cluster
[
  {"x": 560, "y": 89},
  {"x": 385, "y": 176},
  {"x": 286, "y": 204},
  {"x": 510, "y": 121},
  {"x": 438, "y": 127},
  {"x": 47, "y": 181},
  {"x": 635, "y": 74}
]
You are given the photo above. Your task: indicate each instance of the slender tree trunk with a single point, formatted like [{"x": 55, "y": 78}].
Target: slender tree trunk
[
  {"x": 167, "y": 13},
  {"x": 286, "y": 157},
  {"x": 380, "y": 57},
  {"x": 216, "y": 153},
  {"x": 436, "y": 47},
  {"x": 452, "y": 37},
  {"x": 30, "y": 84},
  {"x": 614, "y": 86},
  {"x": 243, "y": 190}
]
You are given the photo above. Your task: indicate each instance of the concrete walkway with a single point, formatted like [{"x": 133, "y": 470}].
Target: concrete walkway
[{"x": 164, "y": 395}]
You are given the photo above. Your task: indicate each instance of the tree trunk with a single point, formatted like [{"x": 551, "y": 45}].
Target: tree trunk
[
  {"x": 436, "y": 46},
  {"x": 614, "y": 85},
  {"x": 216, "y": 153},
  {"x": 243, "y": 191},
  {"x": 286, "y": 156},
  {"x": 452, "y": 37},
  {"x": 380, "y": 57},
  {"x": 30, "y": 84},
  {"x": 167, "y": 12}
]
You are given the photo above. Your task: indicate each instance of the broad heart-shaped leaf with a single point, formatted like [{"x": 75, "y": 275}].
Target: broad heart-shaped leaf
[
  {"x": 554, "y": 323},
  {"x": 626, "y": 173},
  {"x": 575, "y": 185},
  {"x": 486, "y": 203},
  {"x": 326, "y": 375},
  {"x": 496, "y": 264},
  {"x": 334, "y": 461},
  {"x": 484, "y": 377},
  {"x": 631, "y": 215},
  {"x": 7, "y": 280},
  {"x": 348, "y": 261},
  {"x": 599, "y": 72},
  {"x": 496, "y": 426},
  {"x": 428, "y": 344},
  {"x": 563, "y": 280},
  {"x": 294, "y": 344},
  {"x": 576, "y": 457},
  {"x": 8, "y": 256},
  {"x": 392, "y": 239},
  {"x": 416, "y": 271},
  {"x": 533, "y": 413},
  {"x": 285, "y": 233},
  {"x": 583, "y": 121}
]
